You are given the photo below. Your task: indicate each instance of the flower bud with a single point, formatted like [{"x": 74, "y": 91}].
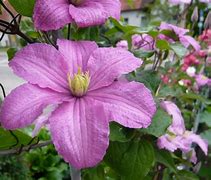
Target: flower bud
[
  {"x": 195, "y": 15},
  {"x": 207, "y": 23}
]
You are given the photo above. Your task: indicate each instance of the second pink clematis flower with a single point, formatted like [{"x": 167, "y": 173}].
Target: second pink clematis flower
[
  {"x": 178, "y": 137},
  {"x": 181, "y": 33},
  {"x": 81, "y": 79},
  {"x": 54, "y": 14}
]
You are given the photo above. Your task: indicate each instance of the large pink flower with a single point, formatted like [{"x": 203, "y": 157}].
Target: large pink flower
[
  {"x": 185, "y": 40},
  {"x": 82, "y": 80},
  {"x": 178, "y": 137},
  {"x": 54, "y": 14}
]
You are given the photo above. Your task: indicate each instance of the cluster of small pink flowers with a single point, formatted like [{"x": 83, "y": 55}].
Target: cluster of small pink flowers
[
  {"x": 190, "y": 60},
  {"x": 206, "y": 36}
]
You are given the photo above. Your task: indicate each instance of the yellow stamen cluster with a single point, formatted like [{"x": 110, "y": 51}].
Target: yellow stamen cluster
[
  {"x": 77, "y": 2},
  {"x": 79, "y": 83}
]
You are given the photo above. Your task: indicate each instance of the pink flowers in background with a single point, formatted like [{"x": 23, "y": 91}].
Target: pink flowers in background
[
  {"x": 206, "y": 37},
  {"x": 190, "y": 60},
  {"x": 185, "y": 40},
  {"x": 201, "y": 80},
  {"x": 178, "y": 137},
  {"x": 54, "y": 14},
  {"x": 80, "y": 82}
]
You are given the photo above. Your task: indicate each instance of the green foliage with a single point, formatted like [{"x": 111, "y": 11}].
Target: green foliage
[
  {"x": 207, "y": 135},
  {"x": 160, "y": 122},
  {"x": 13, "y": 168},
  {"x": 120, "y": 133},
  {"x": 46, "y": 164},
  {"x": 179, "y": 49},
  {"x": 165, "y": 158},
  {"x": 131, "y": 160},
  {"x": 24, "y": 7},
  {"x": 205, "y": 117},
  {"x": 186, "y": 175},
  {"x": 148, "y": 77},
  {"x": 15, "y": 138},
  {"x": 162, "y": 44},
  {"x": 11, "y": 53}
]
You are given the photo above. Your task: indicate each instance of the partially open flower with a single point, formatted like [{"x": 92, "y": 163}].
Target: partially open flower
[{"x": 177, "y": 137}]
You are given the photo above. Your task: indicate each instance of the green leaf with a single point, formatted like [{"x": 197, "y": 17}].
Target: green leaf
[
  {"x": 205, "y": 117},
  {"x": 164, "y": 157},
  {"x": 162, "y": 44},
  {"x": 95, "y": 173},
  {"x": 186, "y": 175},
  {"x": 169, "y": 33},
  {"x": 194, "y": 96},
  {"x": 148, "y": 77},
  {"x": 23, "y": 7},
  {"x": 207, "y": 135},
  {"x": 11, "y": 53},
  {"x": 120, "y": 133},
  {"x": 160, "y": 122},
  {"x": 131, "y": 160},
  {"x": 143, "y": 54},
  {"x": 7, "y": 140},
  {"x": 179, "y": 49}
]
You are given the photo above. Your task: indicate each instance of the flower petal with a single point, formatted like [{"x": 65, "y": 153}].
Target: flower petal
[
  {"x": 177, "y": 126},
  {"x": 25, "y": 103},
  {"x": 76, "y": 53},
  {"x": 80, "y": 132},
  {"x": 188, "y": 40},
  {"x": 163, "y": 142},
  {"x": 43, "y": 119},
  {"x": 107, "y": 64},
  {"x": 51, "y": 15},
  {"x": 43, "y": 65},
  {"x": 198, "y": 140},
  {"x": 112, "y": 7},
  {"x": 88, "y": 14},
  {"x": 130, "y": 104}
]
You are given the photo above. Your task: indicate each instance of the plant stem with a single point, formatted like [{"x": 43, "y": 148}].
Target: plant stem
[
  {"x": 75, "y": 173},
  {"x": 25, "y": 148},
  {"x": 68, "y": 31},
  {"x": 25, "y": 37}
]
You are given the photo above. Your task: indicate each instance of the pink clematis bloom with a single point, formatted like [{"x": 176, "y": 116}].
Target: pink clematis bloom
[
  {"x": 54, "y": 14},
  {"x": 178, "y": 137},
  {"x": 144, "y": 41},
  {"x": 81, "y": 79},
  {"x": 185, "y": 40}
]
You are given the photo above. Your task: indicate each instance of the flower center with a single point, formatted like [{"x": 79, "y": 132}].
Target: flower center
[
  {"x": 76, "y": 2},
  {"x": 79, "y": 83}
]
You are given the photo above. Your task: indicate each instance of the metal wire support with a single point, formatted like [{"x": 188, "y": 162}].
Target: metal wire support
[{"x": 12, "y": 27}]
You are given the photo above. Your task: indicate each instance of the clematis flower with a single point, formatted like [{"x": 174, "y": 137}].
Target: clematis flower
[
  {"x": 143, "y": 41},
  {"x": 178, "y": 137},
  {"x": 81, "y": 79},
  {"x": 54, "y": 14},
  {"x": 185, "y": 40}
]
